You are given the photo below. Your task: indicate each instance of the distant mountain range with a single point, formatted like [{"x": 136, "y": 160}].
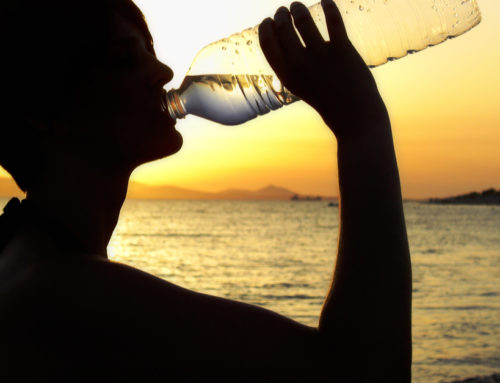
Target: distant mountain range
[{"x": 137, "y": 190}]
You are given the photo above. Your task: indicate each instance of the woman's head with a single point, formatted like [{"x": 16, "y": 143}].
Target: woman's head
[{"x": 83, "y": 72}]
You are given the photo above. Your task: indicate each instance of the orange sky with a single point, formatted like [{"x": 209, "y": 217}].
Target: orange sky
[{"x": 443, "y": 103}]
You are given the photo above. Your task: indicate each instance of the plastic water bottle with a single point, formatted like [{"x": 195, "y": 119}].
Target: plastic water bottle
[{"x": 230, "y": 81}]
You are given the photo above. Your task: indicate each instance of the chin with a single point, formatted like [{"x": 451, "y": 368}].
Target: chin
[
  {"x": 163, "y": 146},
  {"x": 174, "y": 145}
]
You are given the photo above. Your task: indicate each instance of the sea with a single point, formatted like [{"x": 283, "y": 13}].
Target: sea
[{"x": 280, "y": 255}]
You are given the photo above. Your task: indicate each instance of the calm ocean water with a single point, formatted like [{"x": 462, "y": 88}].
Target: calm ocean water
[{"x": 280, "y": 255}]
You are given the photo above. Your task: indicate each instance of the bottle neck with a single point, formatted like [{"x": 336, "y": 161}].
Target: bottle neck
[{"x": 174, "y": 104}]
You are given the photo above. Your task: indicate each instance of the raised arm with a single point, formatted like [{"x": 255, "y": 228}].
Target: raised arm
[{"x": 367, "y": 315}]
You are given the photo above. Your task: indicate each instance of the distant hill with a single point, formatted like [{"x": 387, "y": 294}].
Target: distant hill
[
  {"x": 270, "y": 192},
  {"x": 486, "y": 197}
]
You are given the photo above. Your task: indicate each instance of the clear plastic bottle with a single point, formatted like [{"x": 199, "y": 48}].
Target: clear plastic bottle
[{"x": 230, "y": 81}]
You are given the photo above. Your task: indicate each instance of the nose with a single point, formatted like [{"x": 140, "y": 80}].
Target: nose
[{"x": 163, "y": 74}]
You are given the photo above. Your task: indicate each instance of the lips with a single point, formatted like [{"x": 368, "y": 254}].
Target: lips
[
  {"x": 163, "y": 101},
  {"x": 164, "y": 107}
]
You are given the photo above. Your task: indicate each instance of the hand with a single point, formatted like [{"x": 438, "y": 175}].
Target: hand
[{"x": 329, "y": 75}]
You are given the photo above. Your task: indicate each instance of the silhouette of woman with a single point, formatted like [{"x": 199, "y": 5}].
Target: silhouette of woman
[{"x": 82, "y": 109}]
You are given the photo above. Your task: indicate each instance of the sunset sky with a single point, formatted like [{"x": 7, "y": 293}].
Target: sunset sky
[{"x": 444, "y": 105}]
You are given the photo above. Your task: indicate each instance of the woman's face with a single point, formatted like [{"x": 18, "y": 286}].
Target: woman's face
[{"x": 123, "y": 114}]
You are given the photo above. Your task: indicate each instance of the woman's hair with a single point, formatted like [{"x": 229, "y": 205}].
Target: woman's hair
[{"x": 51, "y": 50}]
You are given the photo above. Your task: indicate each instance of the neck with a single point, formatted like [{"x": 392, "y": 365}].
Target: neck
[{"x": 87, "y": 202}]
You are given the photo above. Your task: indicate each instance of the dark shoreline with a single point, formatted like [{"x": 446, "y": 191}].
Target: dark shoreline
[
  {"x": 495, "y": 378},
  {"x": 486, "y": 197}
]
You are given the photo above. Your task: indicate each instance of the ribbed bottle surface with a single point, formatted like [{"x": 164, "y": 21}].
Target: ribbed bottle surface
[
  {"x": 231, "y": 99},
  {"x": 230, "y": 81}
]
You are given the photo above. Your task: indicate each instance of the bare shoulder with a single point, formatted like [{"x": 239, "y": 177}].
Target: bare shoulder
[
  {"x": 144, "y": 296},
  {"x": 223, "y": 338},
  {"x": 168, "y": 322}
]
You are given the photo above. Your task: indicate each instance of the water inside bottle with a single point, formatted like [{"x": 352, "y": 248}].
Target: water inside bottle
[{"x": 233, "y": 99}]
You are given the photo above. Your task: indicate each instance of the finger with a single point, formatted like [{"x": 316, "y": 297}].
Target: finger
[
  {"x": 287, "y": 35},
  {"x": 306, "y": 26},
  {"x": 334, "y": 22},
  {"x": 269, "y": 42}
]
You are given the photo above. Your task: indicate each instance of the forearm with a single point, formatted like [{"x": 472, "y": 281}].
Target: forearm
[{"x": 368, "y": 310}]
